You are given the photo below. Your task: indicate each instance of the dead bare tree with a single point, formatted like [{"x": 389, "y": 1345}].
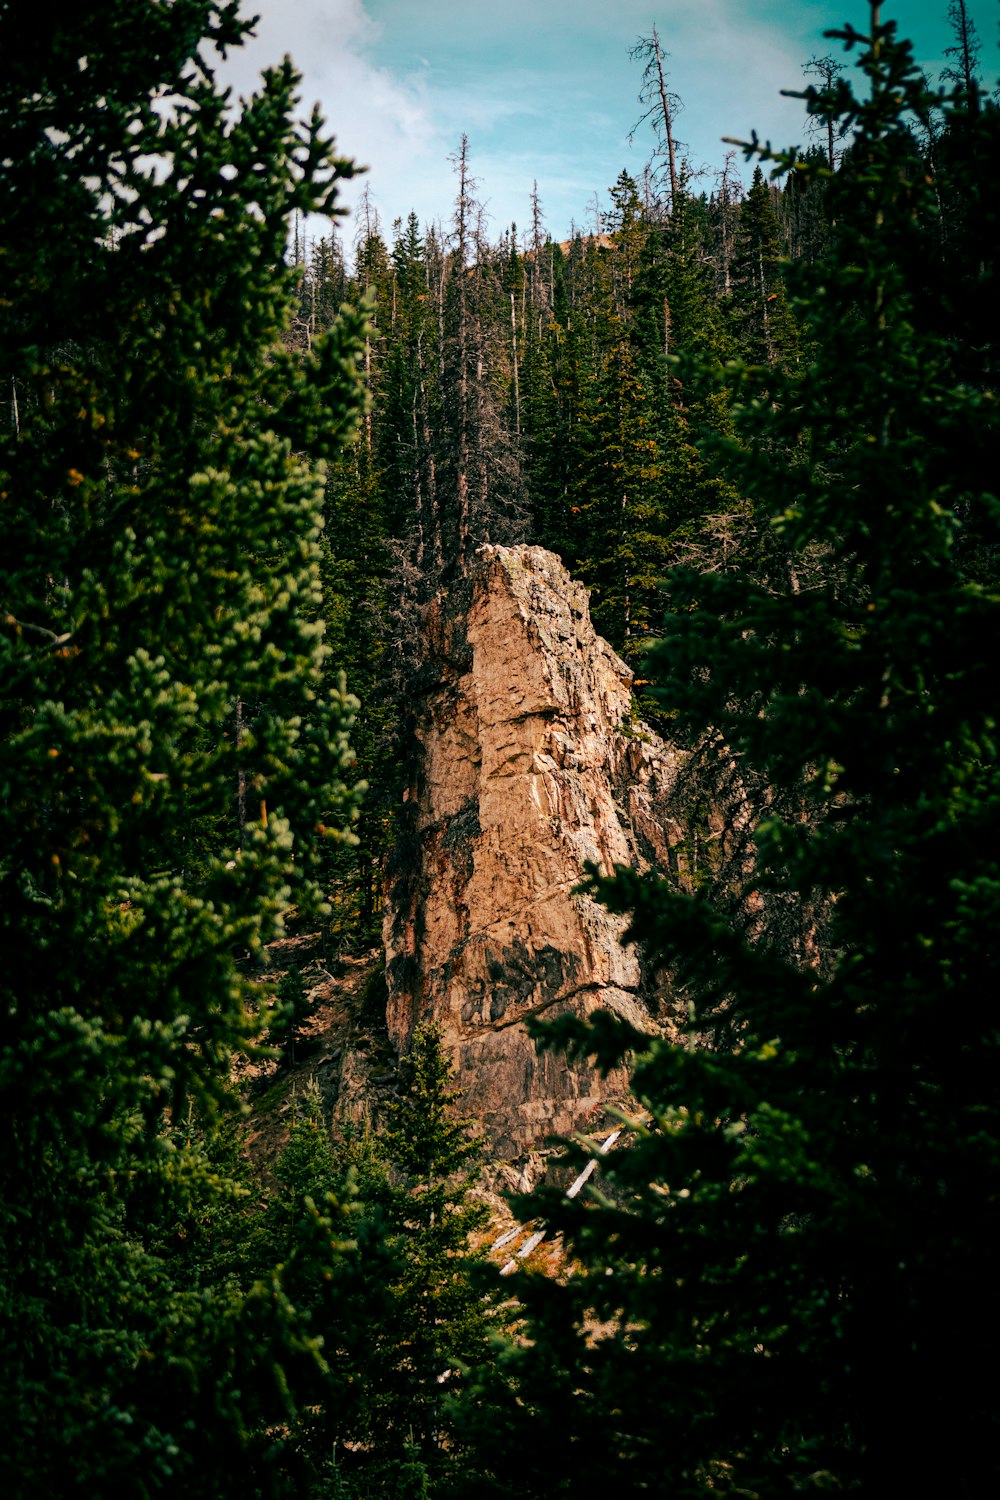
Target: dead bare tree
[
  {"x": 462, "y": 227},
  {"x": 828, "y": 70},
  {"x": 662, "y": 106}
]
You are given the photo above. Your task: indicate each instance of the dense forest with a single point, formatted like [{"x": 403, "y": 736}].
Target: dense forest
[{"x": 235, "y": 461}]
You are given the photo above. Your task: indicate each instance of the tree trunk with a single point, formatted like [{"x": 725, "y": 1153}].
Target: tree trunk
[{"x": 667, "y": 121}]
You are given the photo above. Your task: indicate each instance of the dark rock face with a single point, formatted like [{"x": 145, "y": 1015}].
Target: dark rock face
[{"x": 529, "y": 767}]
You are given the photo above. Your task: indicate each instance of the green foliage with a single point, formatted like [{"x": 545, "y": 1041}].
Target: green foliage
[
  {"x": 293, "y": 1006},
  {"x": 440, "y": 1307},
  {"x": 765, "y": 330},
  {"x": 610, "y": 430},
  {"x": 788, "y": 1283},
  {"x": 373, "y": 1235},
  {"x": 159, "y": 572},
  {"x": 799, "y": 1226}
]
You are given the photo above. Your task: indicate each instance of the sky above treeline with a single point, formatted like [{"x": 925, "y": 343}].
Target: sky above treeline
[{"x": 546, "y": 90}]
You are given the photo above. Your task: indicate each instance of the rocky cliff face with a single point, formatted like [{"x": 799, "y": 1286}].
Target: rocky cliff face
[{"x": 529, "y": 766}]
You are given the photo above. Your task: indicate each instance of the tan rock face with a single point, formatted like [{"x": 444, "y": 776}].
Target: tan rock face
[{"x": 529, "y": 767}]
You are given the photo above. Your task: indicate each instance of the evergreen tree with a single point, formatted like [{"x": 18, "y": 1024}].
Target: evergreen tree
[
  {"x": 964, "y": 52},
  {"x": 479, "y": 482},
  {"x": 293, "y": 1007},
  {"x": 441, "y": 1312},
  {"x": 763, "y": 321},
  {"x": 788, "y": 1285},
  {"x": 553, "y": 368},
  {"x": 355, "y": 564},
  {"x": 374, "y": 1238},
  {"x": 159, "y": 570},
  {"x": 621, "y": 483},
  {"x": 804, "y": 216},
  {"x": 324, "y": 1225}
]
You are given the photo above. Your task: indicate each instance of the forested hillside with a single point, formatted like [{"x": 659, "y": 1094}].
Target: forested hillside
[
  {"x": 524, "y": 390},
  {"x": 241, "y": 454}
]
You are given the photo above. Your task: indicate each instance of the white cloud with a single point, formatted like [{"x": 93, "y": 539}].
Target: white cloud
[
  {"x": 544, "y": 90},
  {"x": 379, "y": 119}
]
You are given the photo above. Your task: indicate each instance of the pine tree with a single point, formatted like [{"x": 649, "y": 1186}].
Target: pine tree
[
  {"x": 787, "y": 1284},
  {"x": 763, "y": 322},
  {"x": 159, "y": 569},
  {"x": 324, "y": 1225},
  {"x": 373, "y": 1233},
  {"x": 964, "y": 52},
  {"x": 479, "y": 481},
  {"x": 293, "y": 1007},
  {"x": 624, "y": 448},
  {"x": 441, "y": 1312},
  {"x": 355, "y": 564}
]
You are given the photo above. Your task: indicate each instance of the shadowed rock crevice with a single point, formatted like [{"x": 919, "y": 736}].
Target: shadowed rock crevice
[{"x": 529, "y": 766}]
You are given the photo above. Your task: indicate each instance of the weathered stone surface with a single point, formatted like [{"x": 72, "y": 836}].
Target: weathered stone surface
[{"x": 529, "y": 767}]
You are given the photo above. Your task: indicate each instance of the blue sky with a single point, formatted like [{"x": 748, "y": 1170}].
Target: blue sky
[{"x": 546, "y": 91}]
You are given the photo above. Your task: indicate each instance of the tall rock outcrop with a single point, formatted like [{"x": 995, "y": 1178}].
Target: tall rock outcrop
[{"x": 529, "y": 765}]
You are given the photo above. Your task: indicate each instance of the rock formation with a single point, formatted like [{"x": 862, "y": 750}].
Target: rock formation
[{"x": 529, "y": 765}]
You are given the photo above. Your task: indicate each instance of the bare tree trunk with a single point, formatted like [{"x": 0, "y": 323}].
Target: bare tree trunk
[
  {"x": 481, "y": 466},
  {"x": 241, "y": 779},
  {"x": 727, "y": 196},
  {"x": 667, "y": 121},
  {"x": 368, "y": 386},
  {"x": 427, "y": 470},
  {"x": 765, "y": 310},
  {"x": 537, "y": 244},
  {"x": 828, "y": 69},
  {"x": 661, "y": 105},
  {"x": 417, "y": 482},
  {"x": 462, "y": 386},
  {"x": 517, "y": 388},
  {"x": 627, "y": 578}
]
